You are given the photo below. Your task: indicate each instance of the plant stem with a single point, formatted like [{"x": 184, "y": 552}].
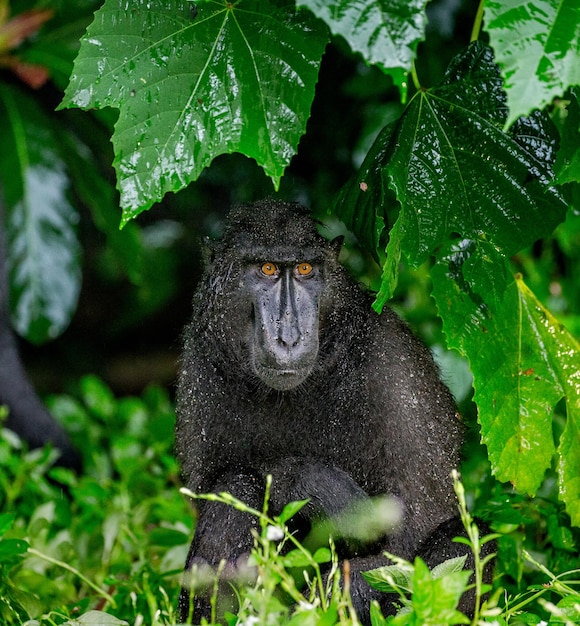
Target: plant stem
[
  {"x": 415, "y": 77},
  {"x": 513, "y": 610},
  {"x": 74, "y": 571},
  {"x": 477, "y": 22}
]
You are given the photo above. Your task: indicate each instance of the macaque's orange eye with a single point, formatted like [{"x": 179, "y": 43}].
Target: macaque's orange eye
[
  {"x": 304, "y": 269},
  {"x": 269, "y": 269}
]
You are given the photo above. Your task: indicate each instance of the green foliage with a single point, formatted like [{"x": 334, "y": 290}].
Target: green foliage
[
  {"x": 385, "y": 32},
  {"x": 526, "y": 363},
  {"x": 48, "y": 161},
  {"x": 270, "y": 588},
  {"x": 567, "y": 164},
  {"x": 542, "y": 61},
  {"x": 171, "y": 138},
  {"x": 455, "y": 185},
  {"x": 11, "y": 551},
  {"x": 108, "y": 547},
  {"x": 455, "y": 172},
  {"x": 431, "y": 597},
  {"x": 114, "y": 539},
  {"x": 434, "y": 598}
]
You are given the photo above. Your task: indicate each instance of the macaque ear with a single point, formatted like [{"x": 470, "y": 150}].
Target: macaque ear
[
  {"x": 210, "y": 249},
  {"x": 336, "y": 244}
]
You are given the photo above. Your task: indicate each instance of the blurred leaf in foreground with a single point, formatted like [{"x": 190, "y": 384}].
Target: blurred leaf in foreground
[{"x": 40, "y": 223}]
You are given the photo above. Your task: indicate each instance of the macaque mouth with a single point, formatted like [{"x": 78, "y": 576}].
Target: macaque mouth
[{"x": 282, "y": 379}]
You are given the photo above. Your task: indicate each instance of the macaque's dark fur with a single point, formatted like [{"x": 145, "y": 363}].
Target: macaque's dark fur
[{"x": 372, "y": 417}]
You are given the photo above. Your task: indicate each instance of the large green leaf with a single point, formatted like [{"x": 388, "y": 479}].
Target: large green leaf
[
  {"x": 523, "y": 362},
  {"x": 455, "y": 172},
  {"x": 195, "y": 81},
  {"x": 40, "y": 223},
  {"x": 537, "y": 46},
  {"x": 385, "y": 32}
]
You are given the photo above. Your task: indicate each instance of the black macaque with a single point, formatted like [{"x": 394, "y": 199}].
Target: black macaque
[{"x": 287, "y": 371}]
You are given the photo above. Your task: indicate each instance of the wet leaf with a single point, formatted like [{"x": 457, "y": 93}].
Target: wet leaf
[
  {"x": 297, "y": 558},
  {"x": 42, "y": 247},
  {"x": 385, "y": 32},
  {"x": 196, "y": 81},
  {"x": 544, "y": 59},
  {"x": 456, "y": 173},
  {"x": 322, "y": 555},
  {"x": 523, "y": 362},
  {"x": 569, "y": 448},
  {"x": 362, "y": 203},
  {"x": 449, "y": 566}
]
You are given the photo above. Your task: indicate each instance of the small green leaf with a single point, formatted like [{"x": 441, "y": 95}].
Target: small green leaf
[
  {"x": 385, "y": 32},
  {"x": 9, "y": 548},
  {"x": 543, "y": 60},
  {"x": 296, "y": 558},
  {"x": 567, "y": 612},
  {"x": 377, "y": 617},
  {"x": 449, "y": 566},
  {"x": 291, "y": 509},
  {"x": 41, "y": 241},
  {"x": 98, "y": 397},
  {"x": 196, "y": 81},
  {"x": 6, "y": 521},
  {"x": 390, "y": 577},
  {"x": 435, "y": 600},
  {"x": 322, "y": 555}
]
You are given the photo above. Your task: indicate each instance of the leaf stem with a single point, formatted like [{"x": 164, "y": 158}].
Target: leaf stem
[
  {"x": 415, "y": 77},
  {"x": 477, "y": 22},
  {"x": 71, "y": 569}
]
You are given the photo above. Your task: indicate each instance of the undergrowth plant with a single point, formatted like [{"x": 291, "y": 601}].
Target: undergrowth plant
[
  {"x": 113, "y": 539},
  {"x": 425, "y": 597},
  {"x": 275, "y": 555},
  {"x": 107, "y": 547}
]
